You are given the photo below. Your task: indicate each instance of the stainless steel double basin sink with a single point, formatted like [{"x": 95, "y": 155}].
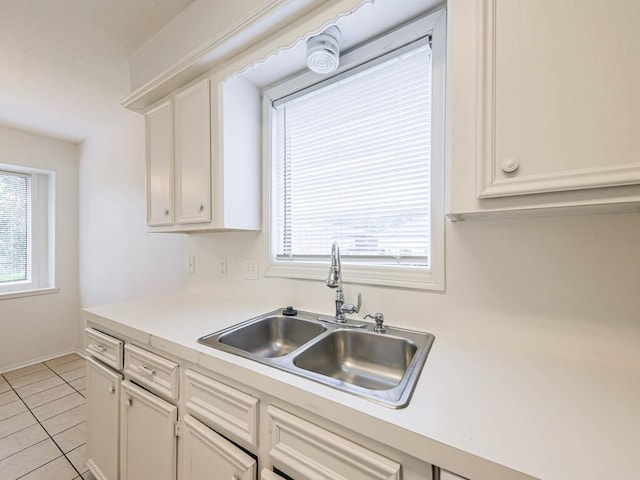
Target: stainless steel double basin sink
[{"x": 382, "y": 367}]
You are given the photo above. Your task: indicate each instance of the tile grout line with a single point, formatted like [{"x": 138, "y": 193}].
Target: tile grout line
[
  {"x": 52, "y": 439},
  {"x": 28, "y": 410},
  {"x": 22, "y": 476},
  {"x": 66, "y": 381},
  {"x": 3, "y": 374},
  {"x": 42, "y": 426},
  {"x": 55, "y": 374}
]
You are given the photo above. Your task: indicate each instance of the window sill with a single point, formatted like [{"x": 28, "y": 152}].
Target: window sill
[
  {"x": 28, "y": 293},
  {"x": 397, "y": 277}
]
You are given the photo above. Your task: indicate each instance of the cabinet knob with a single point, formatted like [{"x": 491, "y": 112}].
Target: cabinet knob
[
  {"x": 201, "y": 208},
  {"x": 112, "y": 389},
  {"x": 166, "y": 212},
  {"x": 129, "y": 401},
  {"x": 510, "y": 164}
]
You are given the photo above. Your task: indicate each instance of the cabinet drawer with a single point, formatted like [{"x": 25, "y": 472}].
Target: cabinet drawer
[
  {"x": 208, "y": 455},
  {"x": 152, "y": 371},
  {"x": 304, "y": 450},
  {"x": 225, "y": 409},
  {"x": 105, "y": 348}
]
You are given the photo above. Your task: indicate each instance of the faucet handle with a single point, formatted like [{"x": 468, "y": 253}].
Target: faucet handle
[
  {"x": 357, "y": 309},
  {"x": 350, "y": 307}
]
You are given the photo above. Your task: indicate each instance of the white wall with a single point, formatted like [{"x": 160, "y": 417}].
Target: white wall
[
  {"x": 119, "y": 260},
  {"x": 563, "y": 284},
  {"x": 193, "y": 28},
  {"x": 42, "y": 326}
]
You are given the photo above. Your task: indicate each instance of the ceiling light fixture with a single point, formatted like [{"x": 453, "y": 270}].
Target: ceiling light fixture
[{"x": 323, "y": 51}]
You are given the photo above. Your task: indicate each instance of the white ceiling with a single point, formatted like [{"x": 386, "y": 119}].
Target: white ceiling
[{"x": 64, "y": 63}]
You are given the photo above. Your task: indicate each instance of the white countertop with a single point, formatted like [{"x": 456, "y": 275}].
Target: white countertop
[{"x": 480, "y": 410}]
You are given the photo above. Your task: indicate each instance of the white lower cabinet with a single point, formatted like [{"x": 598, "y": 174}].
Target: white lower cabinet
[
  {"x": 103, "y": 420},
  {"x": 208, "y": 455},
  {"x": 227, "y": 410},
  {"x": 306, "y": 451},
  {"x": 444, "y": 475},
  {"x": 269, "y": 475},
  {"x": 166, "y": 421},
  {"x": 149, "y": 441}
]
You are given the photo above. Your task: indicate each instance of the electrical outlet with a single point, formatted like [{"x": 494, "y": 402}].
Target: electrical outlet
[
  {"x": 191, "y": 265},
  {"x": 222, "y": 267},
  {"x": 251, "y": 268}
]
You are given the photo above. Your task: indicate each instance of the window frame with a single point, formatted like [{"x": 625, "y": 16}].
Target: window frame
[
  {"x": 40, "y": 246},
  {"x": 433, "y": 25}
]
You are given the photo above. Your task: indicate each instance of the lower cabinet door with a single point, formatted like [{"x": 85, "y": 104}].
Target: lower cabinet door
[
  {"x": 103, "y": 420},
  {"x": 207, "y": 455},
  {"x": 269, "y": 475},
  {"x": 149, "y": 442},
  {"x": 308, "y": 451},
  {"x": 444, "y": 475}
]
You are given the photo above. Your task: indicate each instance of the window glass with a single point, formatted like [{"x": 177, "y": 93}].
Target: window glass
[
  {"x": 14, "y": 227},
  {"x": 352, "y": 163}
]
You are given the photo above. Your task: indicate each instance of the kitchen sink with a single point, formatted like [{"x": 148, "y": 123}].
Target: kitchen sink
[
  {"x": 272, "y": 336},
  {"x": 368, "y": 360},
  {"x": 353, "y": 357}
]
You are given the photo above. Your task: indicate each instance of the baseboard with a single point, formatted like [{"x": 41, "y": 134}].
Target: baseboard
[{"x": 40, "y": 360}]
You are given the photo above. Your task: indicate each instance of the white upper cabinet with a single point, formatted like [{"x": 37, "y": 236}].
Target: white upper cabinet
[
  {"x": 160, "y": 165},
  {"x": 556, "y": 104},
  {"x": 203, "y": 159},
  {"x": 192, "y": 133}
]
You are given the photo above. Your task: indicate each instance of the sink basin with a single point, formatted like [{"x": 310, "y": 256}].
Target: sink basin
[
  {"x": 271, "y": 336},
  {"x": 381, "y": 367},
  {"x": 368, "y": 360}
]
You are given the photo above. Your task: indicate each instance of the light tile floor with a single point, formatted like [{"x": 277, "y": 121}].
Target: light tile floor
[{"x": 42, "y": 421}]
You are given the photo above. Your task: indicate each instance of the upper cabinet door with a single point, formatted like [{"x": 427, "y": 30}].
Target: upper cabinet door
[
  {"x": 559, "y": 97},
  {"x": 159, "y": 123},
  {"x": 192, "y": 127}
]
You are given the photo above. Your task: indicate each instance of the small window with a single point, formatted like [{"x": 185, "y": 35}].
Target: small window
[
  {"x": 15, "y": 213},
  {"x": 358, "y": 159},
  {"x": 24, "y": 230}
]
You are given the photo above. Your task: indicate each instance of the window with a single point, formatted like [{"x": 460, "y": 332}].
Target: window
[
  {"x": 24, "y": 219},
  {"x": 14, "y": 231},
  {"x": 358, "y": 158}
]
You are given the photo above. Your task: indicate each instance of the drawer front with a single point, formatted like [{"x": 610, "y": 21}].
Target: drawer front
[
  {"x": 105, "y": 348},
  {"x": 225, "y": 409},
  {"x": 302, "y": 449},
  {"x": 152, "y": 371}
]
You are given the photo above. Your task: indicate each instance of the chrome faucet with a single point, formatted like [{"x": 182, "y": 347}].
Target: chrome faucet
[{"x": 334, "y": 280}]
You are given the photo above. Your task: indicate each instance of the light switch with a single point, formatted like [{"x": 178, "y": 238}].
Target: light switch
[{"x": 251, "y": 268}]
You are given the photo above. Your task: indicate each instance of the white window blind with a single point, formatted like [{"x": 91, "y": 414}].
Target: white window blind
[
  {"x": 14, "y": 227},
  {"x": 353, "y": 164}
]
